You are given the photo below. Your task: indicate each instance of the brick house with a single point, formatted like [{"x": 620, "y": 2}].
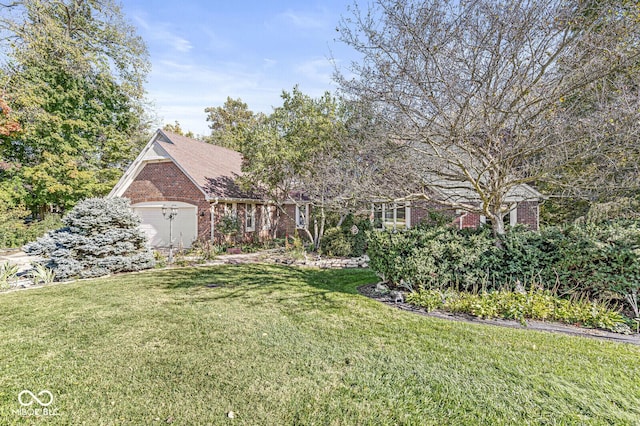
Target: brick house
[
  {"x": 199, "y": 181},
  {"x": 521, "y": 204}
]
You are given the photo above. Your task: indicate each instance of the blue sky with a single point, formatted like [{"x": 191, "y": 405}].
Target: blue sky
[{"x": 203, "y": 51}]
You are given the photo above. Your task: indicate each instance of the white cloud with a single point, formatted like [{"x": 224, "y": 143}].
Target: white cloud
[
  {"x": 161, "y": 32},
  {"x": 214, "y": 41},
  {"x": 320, "y": 70},
  {"x": 305, "y": 20},
  {"x": 269, "y": 63},
  {"x": 182, "y": 92}
]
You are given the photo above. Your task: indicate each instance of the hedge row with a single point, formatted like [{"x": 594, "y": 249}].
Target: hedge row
[{"x": 588, "y": 260}]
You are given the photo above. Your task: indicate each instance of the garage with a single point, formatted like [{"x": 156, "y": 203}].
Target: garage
[{"x": 184, "y": 226}]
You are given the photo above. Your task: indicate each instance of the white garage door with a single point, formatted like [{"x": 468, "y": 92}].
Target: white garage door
[{"x": 184, "y": 226}]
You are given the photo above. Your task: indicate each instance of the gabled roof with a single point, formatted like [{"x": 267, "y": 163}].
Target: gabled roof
[
  {"x": 211, "y": 168},
  {"x": 463, "y": 192}
]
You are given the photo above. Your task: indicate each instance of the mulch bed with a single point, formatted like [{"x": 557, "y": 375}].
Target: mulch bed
[{"x": 369, "y": 290}]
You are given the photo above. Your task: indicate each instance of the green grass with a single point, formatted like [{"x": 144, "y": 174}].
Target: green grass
[{"x": 280, "y": 345}]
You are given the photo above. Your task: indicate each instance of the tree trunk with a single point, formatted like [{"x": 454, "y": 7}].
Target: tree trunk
[
  {"x": 323, "y": 220},
  {"x": 497, "y": 226}
]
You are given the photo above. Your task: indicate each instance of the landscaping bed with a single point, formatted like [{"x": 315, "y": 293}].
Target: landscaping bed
[{"x": 369, "y": 290}]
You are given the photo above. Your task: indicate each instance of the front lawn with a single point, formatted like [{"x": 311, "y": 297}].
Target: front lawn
[{"x": 279, "y": 345}]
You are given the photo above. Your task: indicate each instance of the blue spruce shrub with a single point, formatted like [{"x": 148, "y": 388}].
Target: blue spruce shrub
[{"x": 101, "y": 236}]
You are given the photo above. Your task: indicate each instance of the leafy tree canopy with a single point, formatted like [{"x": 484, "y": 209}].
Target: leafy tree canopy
[
  {"x": 284, "y": 151},
  {"x": 177, "y": 129},
  {"x": 74, "y": 78},
  {"x": 230, "y": 123}
]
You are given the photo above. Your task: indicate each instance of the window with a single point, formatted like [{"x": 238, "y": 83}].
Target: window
[
  {"x": 513, "y": 218},
  {"x": 377, "y": 216},
  {"x": 302, "y": 215},
  {"x": 230, "y": 209},
  {"x": 391, "y": 216},
  {"x": 250, "y": 217}
]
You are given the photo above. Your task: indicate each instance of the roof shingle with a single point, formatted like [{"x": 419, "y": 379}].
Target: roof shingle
[{"x": 214, "y": 168}]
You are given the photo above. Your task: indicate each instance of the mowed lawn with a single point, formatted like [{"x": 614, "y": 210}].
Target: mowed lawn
[{"x": 279, "y": 345}]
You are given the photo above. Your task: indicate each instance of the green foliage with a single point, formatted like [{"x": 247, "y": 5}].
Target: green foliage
[
  {"x": 430, "y": 300},
  {"x": 437, "y": 257},
  {"x": 231, "y": 123},
  {"x": 593, "y": 261},
  {"x": 74, "y": 76},
  {"x": 15, "y": 230},
  {"x": 347, "y": 240},
  {"x": 159, "y": 259},
  {"x": 42, "y": 274},
  {"x": 281, "y": 150},
  {"x": 335, "y": 242},
  {"x": 175, "y": 128},
  {"x": 101, "y": 236},
  {"x": 229, "y": 224},
  {"x": 8, "y": 273},
  {"x": 535, "y": 304},
  {"x": 205, "y": 250}
]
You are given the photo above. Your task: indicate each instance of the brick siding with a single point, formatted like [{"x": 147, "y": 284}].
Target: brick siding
[
  {"x": 166, "y": 182},
  {"x": 528, "y": 214},
  {"x": 420, "y": 211}
]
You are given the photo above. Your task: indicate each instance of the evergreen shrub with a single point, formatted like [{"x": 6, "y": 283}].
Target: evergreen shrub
[
  {"x": 101, "y": 236},
  {"x": 347, "y": 240},
  {"x": 597, "y": 262}
]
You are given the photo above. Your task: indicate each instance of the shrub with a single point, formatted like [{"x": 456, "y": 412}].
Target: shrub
[
  {"x": 335, "y": 243},
  {"x": 347, "y": 240},
  {"x": 599, "y": 262},
  {"x": 427, "y": 299},
  {"x": 536, "y": 304},
  {"x": 8, "y": 273},
  {"x": 16, "y": 230},
  {"x": 42, "y": 274},
  {"x": 229, "y": 226},
  {"x": 101, "y": 236},
  {"x": 435, "y": 257}
]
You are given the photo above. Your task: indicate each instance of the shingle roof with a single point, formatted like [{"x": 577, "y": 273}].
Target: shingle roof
[
  {"x": 214, "y": 168},
  {"x": 464, "y": 192}
]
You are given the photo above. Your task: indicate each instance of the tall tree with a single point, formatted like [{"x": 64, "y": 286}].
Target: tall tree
[
  {"x": 230, "y": 123},
  {"x": 74, "y": 76},
  {"x": 284, "y": 153},
  {"x": 476, "y": 91}
]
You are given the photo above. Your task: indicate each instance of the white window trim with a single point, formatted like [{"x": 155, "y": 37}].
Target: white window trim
[
  {"x": 251, "y": 216},
  {"x": 233, "y": 211},
  {"x": 395, "y": 207},
  {"x": 513, "y": 216},
  {"x": 306, "y": 217}
]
